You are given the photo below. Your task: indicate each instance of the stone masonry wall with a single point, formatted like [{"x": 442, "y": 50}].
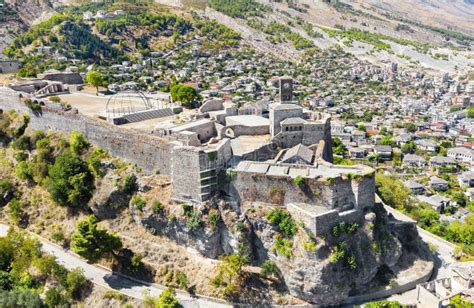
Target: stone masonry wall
[
  {"x": 279, "y": 190},
  {"x": 151, "y": 153}
]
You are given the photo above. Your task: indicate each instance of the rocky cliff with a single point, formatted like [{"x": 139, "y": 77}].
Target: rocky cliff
[{"x": 359, "y": 258}]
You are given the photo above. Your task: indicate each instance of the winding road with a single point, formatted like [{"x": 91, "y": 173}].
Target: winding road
[
  {"x": 442, "y": 257},
  {"x": 123, "y": 284}
]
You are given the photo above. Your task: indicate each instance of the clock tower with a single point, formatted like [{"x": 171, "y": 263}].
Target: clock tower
[{"x": 286, "y": 89}]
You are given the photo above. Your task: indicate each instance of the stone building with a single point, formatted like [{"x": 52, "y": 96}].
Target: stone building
[
  {"x": 291, "y": 125},
  {"x": 437, "y": 293}
]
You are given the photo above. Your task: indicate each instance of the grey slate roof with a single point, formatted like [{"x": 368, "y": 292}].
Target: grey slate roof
[
  {"x": 293, "y": 121},
  {"x": 299, "y": 151}
]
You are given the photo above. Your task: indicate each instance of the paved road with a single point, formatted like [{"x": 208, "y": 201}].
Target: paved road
[
  {"x": 442, "y": 258},
  {"x": 106, "y": 278}
]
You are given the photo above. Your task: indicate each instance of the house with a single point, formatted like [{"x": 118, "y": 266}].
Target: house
[
  {"x": 412, "y": 160},
  {"x": 358, "y": 136},
  {"x": 470, "y": 194},
  {"x": 415, "y": 187},
  {"x": 441, "y": 161},
  {"x": 344, "y": 137},
  {"x": 437, "y": 202},
  {"x": 438, "y": 184},
  {"x": 466, "y": 179},
  {"x": 357, "y": 153},
  {"x": 426, "y": 145},
  {"x": 384, "y": 151},
  {"x": 461, "y": 154},
  {"x": 403, "y": 139},
  {"x": 439, "y": 292}
]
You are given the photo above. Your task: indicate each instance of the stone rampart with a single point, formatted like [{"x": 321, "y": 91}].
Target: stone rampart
[
  {"x": 340, "y": 193},
  {"x": 151, "y": 153}
]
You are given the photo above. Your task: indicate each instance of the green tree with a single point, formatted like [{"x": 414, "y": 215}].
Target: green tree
[
  {"x": 70, "y": 181},
  {"x": 77, "y": 142},
  {"x": 75, "y": 281},
  {"x": 458, "y": 302},
  {"x": 95, "y": 79},
  {"x": 168, "y": 299},
  {"x": 408, "y": 147},
  {"x": 184, "y": 94},
  {"x": 392, "y": 192},
  {"x": 230, "y": 273},
  {"x": 338, "y": 147},
  {"x": 55, "y": 297},
  {"x": 91, "y": 242},
  {"x": 470, "y": 112}
]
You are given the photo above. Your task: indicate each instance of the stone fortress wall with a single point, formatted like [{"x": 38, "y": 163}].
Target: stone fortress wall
[
  {"x": 329, "y": 194},
  {"x": 153, "y": 154},
  {"x": 333, "y": 192}
]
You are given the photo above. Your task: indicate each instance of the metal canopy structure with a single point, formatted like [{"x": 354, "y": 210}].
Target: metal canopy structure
[{"x": 127, "y": 102}]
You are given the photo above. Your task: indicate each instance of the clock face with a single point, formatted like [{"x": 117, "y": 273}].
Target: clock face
[{"x": 286, "y": 86}]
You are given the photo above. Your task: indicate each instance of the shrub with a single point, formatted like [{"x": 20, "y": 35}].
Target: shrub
[
  {"x": 284, "y": 221},
  {"x": 75, "y": 282},
  {"x": 168, "y": 299},
  {"x": 194, "y": 221},
  {"x": 32, "y": 105},
  {"x": 139, "y": 203},
  {"x": 93, "y": 161},
  {"x": 54, "y": 297},
  {"x": 182, "y": 280},
  {"x": 347, "y": 228},
  {"x": 309, "y": 246},
  {"x": 338, "y": 252},
  {"x": 284, "y": 246},
  {"x": 351, "y": 262},
  {"x": 135, "y": 262},
  {"x": 268, "y": 268},
  {"x": 214, "y": 218},
  {"x": 55, "y": 99},
  {"x": 22, "y": 143},
  {"x": 299, "y": 180},
  {"x": 157, "y": 207},
  {"x": 6, "y": 187},
  {"x": 187, "y": 209},
  {"x": 15, "y": 211},
  {"x": 129, "y": 184}
]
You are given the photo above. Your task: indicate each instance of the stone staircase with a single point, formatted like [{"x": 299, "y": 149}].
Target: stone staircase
[{"x": 147, "y": 115}]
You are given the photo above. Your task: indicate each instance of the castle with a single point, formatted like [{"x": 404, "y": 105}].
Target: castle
[{"x": 278, "y": 154}]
